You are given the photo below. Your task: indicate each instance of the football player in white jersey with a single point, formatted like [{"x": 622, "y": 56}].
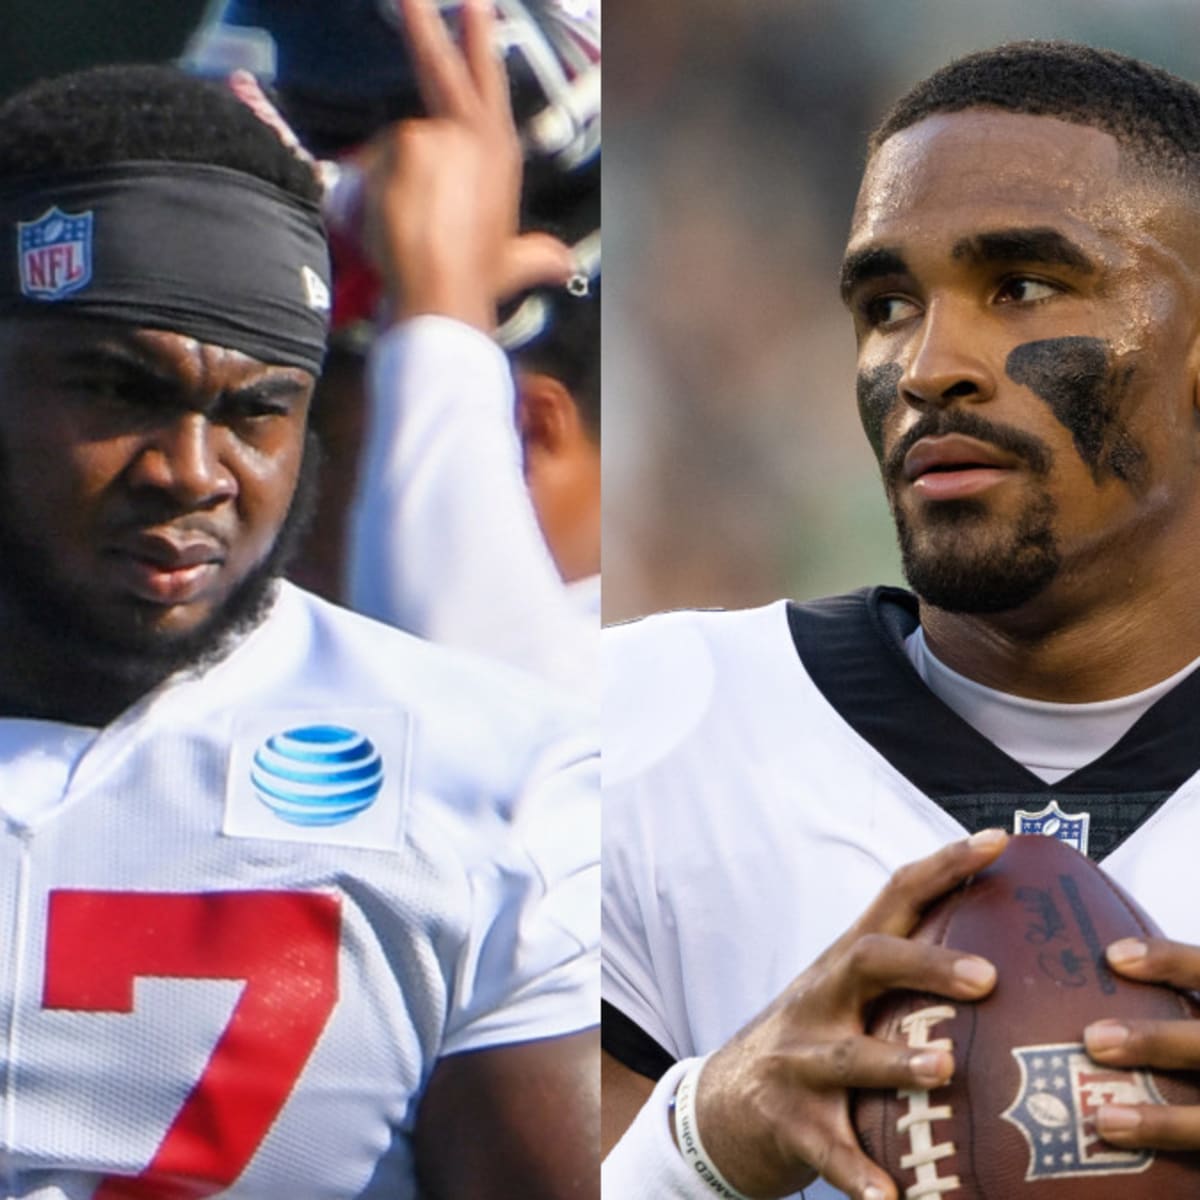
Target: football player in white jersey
[
  {"x": 294, "y": 904},
  {"x": 1024, "y": 280},
  {"x": 471, "y": 515}
]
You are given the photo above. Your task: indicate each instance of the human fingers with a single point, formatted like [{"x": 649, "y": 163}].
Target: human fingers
[
  {"x": 877, "y": 963},
  {"x": 441, "y": 71},
  {"x": 912, "y": 888},
  {"x": 484, "y": 63},
  {"x": 839, "y": 1160},
  {"x": 533, "y": 260},
  {"x": 856, "y": 1061},
  {"x": 1150, "y": 1126},
  {"x": 784, "y": 1126},
  {"x": 1168, "y": 1045},
  {"x": 1156, "y": 960}
]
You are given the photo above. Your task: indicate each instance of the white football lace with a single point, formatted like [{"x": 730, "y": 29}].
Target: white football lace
[{"x": 924, "y": 1153}]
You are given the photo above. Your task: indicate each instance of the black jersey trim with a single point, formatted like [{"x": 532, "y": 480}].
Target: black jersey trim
[
  {"x": 631, "y": 1045},
  {"x": 852, "y": 648}
]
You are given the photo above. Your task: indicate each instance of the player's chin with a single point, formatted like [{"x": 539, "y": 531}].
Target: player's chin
[{"x": 978, "y": 591}]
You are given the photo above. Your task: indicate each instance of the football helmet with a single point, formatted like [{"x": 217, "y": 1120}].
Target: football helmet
[{"x": 341, "y": 70}]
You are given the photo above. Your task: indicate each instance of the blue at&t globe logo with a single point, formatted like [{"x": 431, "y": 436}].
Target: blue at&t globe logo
[{"x": 317, "y": 774}]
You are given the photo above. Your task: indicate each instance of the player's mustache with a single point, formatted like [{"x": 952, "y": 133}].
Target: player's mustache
[{"x": 1031, "y": 450}]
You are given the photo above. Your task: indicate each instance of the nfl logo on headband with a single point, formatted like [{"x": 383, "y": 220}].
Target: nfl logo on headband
[{"x": 55, "y": 254}]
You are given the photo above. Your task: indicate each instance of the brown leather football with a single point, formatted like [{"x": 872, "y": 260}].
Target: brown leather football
[{"x": 1017, "y": 1119}]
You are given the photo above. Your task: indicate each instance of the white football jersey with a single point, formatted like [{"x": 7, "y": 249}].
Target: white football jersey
[
  {"x": 242, "y": 923},
  {"x": 766, "y": 771}
]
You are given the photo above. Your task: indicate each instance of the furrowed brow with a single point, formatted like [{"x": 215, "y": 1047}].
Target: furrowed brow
[
  {"x": 864, "y": 265},
  {"x": 106, "y": 356},
  {"x": 1046, "y": 246},
  {"x": 272, "y": 387}
]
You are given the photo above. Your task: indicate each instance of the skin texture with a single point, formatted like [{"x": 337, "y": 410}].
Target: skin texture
[
  {"x": 121, "y": 450},
  {"x": 1024, "y": 278},
  {"x": 473, "y": 1140},
  {"x": 562, "y": 470}
]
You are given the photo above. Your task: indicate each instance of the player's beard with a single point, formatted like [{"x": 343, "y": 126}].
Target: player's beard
[
  {"x": 963, "y": 567},
  {"x": 135, "y": 657},
  {"x": 964, "y": 557}
]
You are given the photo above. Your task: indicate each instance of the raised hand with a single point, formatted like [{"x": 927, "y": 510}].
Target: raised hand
[{"x": 444, "y": 190}]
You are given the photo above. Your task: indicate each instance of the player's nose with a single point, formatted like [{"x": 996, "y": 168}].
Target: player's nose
[
  {"x": 183, "y": 457},
  {"x": 946, "y": 362}
]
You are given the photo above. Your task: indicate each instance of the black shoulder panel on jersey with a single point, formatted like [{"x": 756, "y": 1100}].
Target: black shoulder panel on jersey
[
  {"x": 853, "y": 649},
  {"x": 631, "y": 1045}
]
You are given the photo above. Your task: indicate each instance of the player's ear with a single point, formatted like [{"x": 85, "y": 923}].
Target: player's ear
[{"x": 547, "y": 418}]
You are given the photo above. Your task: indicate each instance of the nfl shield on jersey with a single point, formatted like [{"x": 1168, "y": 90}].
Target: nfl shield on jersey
[
  {"x": 268, "y": 899},
  {"x": 766, "y": 771},
  {"x": 1051, "y": 821}
]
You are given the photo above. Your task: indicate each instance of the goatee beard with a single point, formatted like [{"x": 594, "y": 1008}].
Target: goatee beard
[
  {"x": 959, "y": 560},
  {"x": 969, "y": 572}
]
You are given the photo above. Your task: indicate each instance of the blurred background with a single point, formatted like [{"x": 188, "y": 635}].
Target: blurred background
[
  {"x": 735, "y": 470},
  {"x": 48, "y": 37}
]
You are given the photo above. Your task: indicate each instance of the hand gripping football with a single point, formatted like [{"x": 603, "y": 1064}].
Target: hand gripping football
[{"x": 1017, "y": 1119}]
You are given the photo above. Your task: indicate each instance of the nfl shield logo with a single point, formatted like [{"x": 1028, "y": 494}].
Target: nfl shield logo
[
  {"x": 1055, "y": 1109},
  {"x": 55, "y": 254},
  {"x": 1051, "y": 821}
]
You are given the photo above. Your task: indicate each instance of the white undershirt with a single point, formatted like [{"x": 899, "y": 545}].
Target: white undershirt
[{"x": 1052, "y": 740}]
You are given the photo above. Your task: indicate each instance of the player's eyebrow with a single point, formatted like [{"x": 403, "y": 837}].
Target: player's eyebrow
[
  {"x": 1018, "y": 245},
  {"x": 111, "y": 355},
  {"x": 270, "y": 387},
  {"x": 864, "y": 265}
]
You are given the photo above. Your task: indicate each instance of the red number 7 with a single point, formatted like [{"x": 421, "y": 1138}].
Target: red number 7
[{"x": 283, "y": 944}]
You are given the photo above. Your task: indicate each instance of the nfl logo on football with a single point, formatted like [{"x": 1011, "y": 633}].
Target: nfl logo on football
[
  {"x": 55, "y": 254},
  {"x": 1055, "y": 1109}
]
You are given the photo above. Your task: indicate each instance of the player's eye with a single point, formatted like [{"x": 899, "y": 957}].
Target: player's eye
[
  {"x": 116, "y": 390},
  {"x": 1023, "y": 289},
  {"x": 881, "y": 311},
  {"x": 252, "y": 409}
]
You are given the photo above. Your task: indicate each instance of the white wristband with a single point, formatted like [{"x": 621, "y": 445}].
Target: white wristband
[
  {"x": 645, "y": 1164},
  {"x": 687, "y": 1132}
]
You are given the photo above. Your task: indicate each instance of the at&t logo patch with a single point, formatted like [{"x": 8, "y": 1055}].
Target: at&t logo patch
[
  {"x": 339, "y": 781},
  {"x": 317, "y": 774},
  {"x": 55, "y": 254}
]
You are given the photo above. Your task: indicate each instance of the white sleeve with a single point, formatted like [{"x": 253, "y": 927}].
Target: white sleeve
[
  {"x": 529, "y": 964},
  {"x": 444, "y": 540}
]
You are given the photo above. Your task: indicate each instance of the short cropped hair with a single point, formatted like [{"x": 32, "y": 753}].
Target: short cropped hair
[
  {"x": 569, "y": 351},
  {"x": 141, "y": 112},
  {"x": 1153, "y": 114}
]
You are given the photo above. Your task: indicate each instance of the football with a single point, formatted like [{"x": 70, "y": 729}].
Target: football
[{"x": 1017, "y": 1119}]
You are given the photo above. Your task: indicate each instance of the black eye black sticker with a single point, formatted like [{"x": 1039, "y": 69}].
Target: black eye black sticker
[
  {"x": 1075, "y": 377},
  {"x": 877, "y": 390}
]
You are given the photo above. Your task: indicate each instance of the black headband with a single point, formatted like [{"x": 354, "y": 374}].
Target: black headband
[{"x": 205, "y": 251}]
